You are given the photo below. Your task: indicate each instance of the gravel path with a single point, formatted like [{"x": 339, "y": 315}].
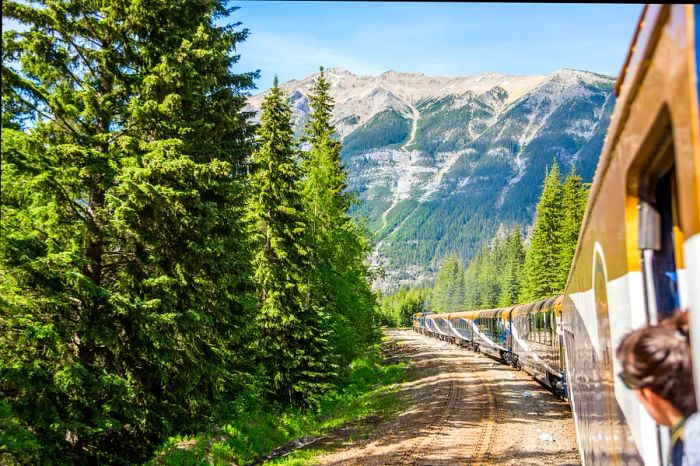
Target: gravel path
[{"x": 464, "y": 409}]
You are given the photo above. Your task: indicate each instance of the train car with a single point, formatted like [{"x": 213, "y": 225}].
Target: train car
[
  {"x": 437, "y": 326},
  {"x": 461, "y": 324},
  {"x": 430, "y": 326},
  {"x": 492, "y": 333},
  {"x": 419, "y": 322},
  {"x": 537, "y": 345},
  {"x": 638, "y": 256},
  {"x": 441, "y": 324}
]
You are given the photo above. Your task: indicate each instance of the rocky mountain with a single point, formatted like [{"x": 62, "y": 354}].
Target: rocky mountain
[{"x": 440, "y": 163}]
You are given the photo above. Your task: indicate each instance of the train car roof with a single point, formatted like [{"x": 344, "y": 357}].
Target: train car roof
[
  {"x": 500, "y": 312},
  {"x": 553, "y": 303},
  {"x": 443, "y": 315}
]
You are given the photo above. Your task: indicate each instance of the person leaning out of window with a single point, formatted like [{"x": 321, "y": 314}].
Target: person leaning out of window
[{"x": 656, "y": 364}]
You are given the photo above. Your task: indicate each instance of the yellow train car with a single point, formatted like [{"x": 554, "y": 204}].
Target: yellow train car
[{"x": 638, "y": 256}]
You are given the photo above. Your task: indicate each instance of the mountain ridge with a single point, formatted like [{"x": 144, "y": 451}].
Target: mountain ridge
[{"x": 440, "y": 163}]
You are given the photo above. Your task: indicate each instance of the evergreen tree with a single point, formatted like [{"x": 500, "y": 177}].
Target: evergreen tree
[
  {"x": 293, "y": 340},
  {"x": 491, "y": 271},
  {"x": 448, "y": 294},
  {"x": 512, "y": 271},
  {"x": 472, "y": 283},
  {"x": 574, "y": 199},
  {"x": 541, "y": 272},
  {"x": 340, "y": 280},
  {"x": 123, "y": 258},
  {"x": 399, "y": 308}
]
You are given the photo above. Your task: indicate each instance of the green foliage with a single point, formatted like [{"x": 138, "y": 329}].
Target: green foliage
[
  {"x": 123, "y": 260},
  {"x": 512, "y": 268},
  {"x": 398, "y": 309},
  {"x": 541, "y": 274},
  {"x": 573, "y": 204},
  {"x": 387, "y": 128},
  {"x": 555, "y": 235},
  {"x": 339, "y": 283},
  {"x": 492, "y": 278},
  {"x": 367, "y": 390},
  {"x": 436, "y": 228},
  {"x": 504, "y": 274},
  {"x": 293, "y": 341},
  {"x": 448, "y": 293}
]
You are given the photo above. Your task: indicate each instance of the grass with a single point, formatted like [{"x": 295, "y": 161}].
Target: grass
[{"x": 369, "y": 390}]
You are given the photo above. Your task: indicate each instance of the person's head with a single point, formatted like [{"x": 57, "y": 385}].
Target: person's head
[{"x": 656, "y": 363}]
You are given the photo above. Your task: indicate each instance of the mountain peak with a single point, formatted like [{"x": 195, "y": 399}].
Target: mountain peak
[
  {"x": 392, "y": 73},
  {"x": 423, "y": 152},
  {"x": 581, "y": 74},
  {"x": 336, "y": 70}
]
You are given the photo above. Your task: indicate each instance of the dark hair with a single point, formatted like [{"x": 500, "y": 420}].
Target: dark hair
[{"x": 658, "y": 357}]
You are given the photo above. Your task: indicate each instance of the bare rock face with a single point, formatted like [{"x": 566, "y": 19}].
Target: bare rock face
[{"x": 440, "y": 163}]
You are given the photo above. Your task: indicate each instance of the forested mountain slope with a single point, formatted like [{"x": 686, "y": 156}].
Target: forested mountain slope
[{"x": 439, "y": 163}]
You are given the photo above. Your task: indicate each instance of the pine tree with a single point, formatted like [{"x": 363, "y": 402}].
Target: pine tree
[
  {"x": 124, "y": 263},
  {"x": 491, "y": 270},
  {"x": 512, "y": 271},
  {"x": 412, "y": 303},
  {"x": 340, "y": 281},
  {"x": 472, "y": 283},
  {"x": 574, "y": 199},
  {"x": 448, "y": 295},
  {"x": 542, "y": 260},
  {"x": 292, "y": 341}
]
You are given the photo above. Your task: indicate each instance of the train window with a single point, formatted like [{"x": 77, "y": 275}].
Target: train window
[
  {"x": 657, "y": 218},
  {"x": 542, "y": 328}
]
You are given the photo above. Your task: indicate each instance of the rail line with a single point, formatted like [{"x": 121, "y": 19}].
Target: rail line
[
  {"x": 470, "y": 399},
  {"x": 464, "y": 409}
]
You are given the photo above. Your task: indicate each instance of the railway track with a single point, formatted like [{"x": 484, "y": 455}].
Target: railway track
[
  {"x": 470, "y": 399},
  {"x": 416, "y": 453},
  {"x": 458, "y": 414}
]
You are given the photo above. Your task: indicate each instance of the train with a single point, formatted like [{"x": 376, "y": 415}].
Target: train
[
  {"x": 637, "y": 260},
  {"x": 526, "y": 337}
]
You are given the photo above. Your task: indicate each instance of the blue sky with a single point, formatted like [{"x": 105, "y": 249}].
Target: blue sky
[{"x": 292, "y": 39}]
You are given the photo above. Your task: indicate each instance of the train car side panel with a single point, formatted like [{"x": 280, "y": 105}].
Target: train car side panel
[{"x": 630, "y": 265}]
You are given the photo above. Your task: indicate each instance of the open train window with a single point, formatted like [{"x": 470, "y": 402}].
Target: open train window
[{"x": 657, "y": 218}]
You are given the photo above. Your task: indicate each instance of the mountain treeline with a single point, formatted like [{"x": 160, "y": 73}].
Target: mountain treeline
[
  {"x": 506, "y": 271},
  {"x": 163, "y": 262}
]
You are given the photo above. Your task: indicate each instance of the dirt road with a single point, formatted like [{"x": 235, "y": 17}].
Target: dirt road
[{"x": 465, "y": 409}]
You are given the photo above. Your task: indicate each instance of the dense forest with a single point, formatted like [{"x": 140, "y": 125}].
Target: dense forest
[
  {"x": 506, "y": 271},
  {"x": 168, "y": 267},
  {"x": 165, "y": 264}
]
